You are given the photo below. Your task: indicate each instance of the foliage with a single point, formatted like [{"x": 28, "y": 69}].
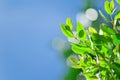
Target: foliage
[{"x": 98, "y": 51}]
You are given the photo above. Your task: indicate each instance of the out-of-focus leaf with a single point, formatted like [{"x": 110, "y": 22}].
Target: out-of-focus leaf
[
  {"x": 117, "y": 16},
  {"x": 107, "y": 7},
  {"x": 90, "y": 76},
  {"x": 77, "y": 67},
  {"x": 100, "y": 39},
  {"x": 66, "y": 31},
  {"x": 107, "y": 30},
  {"x": 95, "y": 70},
  {"x": 116, "y": 38},
  {"x": 92, "y": 30},
  {"x": 73, "y": 60},
  {"x": 72, "y": 74},
  {"x": 116, "y": 67},
  {"x": 118, "y": 1},
  {"x": 80, "y": 27},
  {"x": 69, "y": 23},
  {"x": 112, "y": 5},
  {"x": 118, "y": 23},
  {"x": 106, "y": 50},
  {"x": 95, "y": 37},
  {"x": 104, "y": 17}
]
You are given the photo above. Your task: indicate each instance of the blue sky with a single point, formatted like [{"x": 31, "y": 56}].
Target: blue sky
[{"x": 27, "y": 28}]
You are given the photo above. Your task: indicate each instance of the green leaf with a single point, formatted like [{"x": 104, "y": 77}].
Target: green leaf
[
  {"x": 95, "y": 70},
  {"x": 116, "y": 68},
  {"x": 81, "y": 62},
  {"x": 106, "y": 50},
  {"x": 73, "y": 60},
  {"x": 82, "y": 35},
  {"x": 69, "y": 23},
  {"x": 118, "y": 1},
  {"x": 95, "y": 37},
  {"x": 107, "y": 30},
  {"x": 116, "y": 38},
  {"x": 81, "y": 49},
  {"x": 90, "y": 76},
  {"x": 107, "y": 7},
  {"x": 77, "y": 67},
  {"x": 80, "y": 27},
  {"x": 92, "y": 30},
  {"x": 66, "y": 31},
  {"x": 117, "y": 16},
  {"x": 100, "y": 39},
  {"x": 112, "y": 5},
  {"x": 118, "y": 23},
  {"x": 80, "y": 31},
  {"x": 104, "y": 17}
]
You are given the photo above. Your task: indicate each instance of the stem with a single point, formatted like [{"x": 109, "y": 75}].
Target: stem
[
  {"x": 111, "y": 61},
  {"x": 98, "y": 62},
  {"x": 114, "y": 27},
  {"x": 111, "y": 18},
  {"x": 112, "y": 22},
  {"x": 76, "y": 39}
]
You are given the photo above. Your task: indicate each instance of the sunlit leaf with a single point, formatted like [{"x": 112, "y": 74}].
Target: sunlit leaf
[
  {"x": 112, "y": 5},
  {"x": 80, "y": 27},
  {"x": 81, "y": 49},
  {"x": 116, "y": 38},
  {"x": 97, "y": 53},
  {"x": 117, "y": 16},
  {"x": 69, "y": 23},
  {"x": 90, "y": 76},
  {"x": 107, "y": 7},
  {"x": 92, "y": 30},
  {"x": 66, "y": 30},
  {"x": 73, "y": 60},
  {"x": 107, "y": 30}
]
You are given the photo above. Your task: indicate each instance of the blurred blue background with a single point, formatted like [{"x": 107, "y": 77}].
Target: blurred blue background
[{"x": 27, "y": 28}]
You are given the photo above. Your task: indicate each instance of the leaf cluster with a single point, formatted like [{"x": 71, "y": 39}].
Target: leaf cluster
[{"x": 98, "y": 51}]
